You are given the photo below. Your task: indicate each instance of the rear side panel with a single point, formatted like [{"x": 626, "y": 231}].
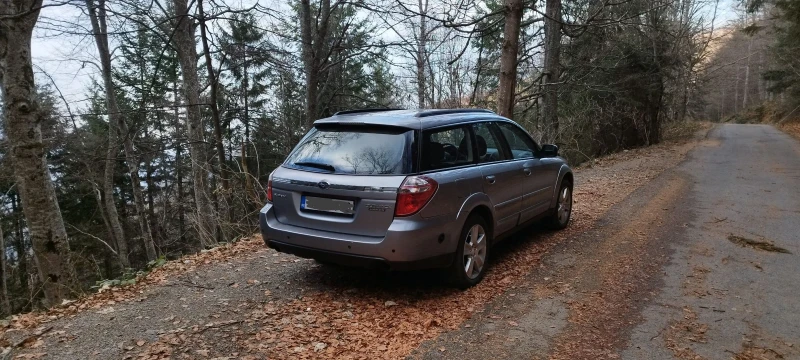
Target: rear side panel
[
  {"x": 454, "y": 187},
  {"x": 373, "y": 200}
]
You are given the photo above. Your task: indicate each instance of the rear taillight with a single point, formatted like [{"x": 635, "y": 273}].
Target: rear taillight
[
  {"x": 414, "y": 194},
  {"x": 269, "y": 188}
]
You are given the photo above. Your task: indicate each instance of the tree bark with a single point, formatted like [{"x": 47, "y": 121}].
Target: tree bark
[
  {"x": 19, "y": 244},
  {"x": 107, "y": 200},
  {"x": 508, "y": 58},
  {"x": 185, "y": 45},
  {"x": 179, "y": 172},
  {"x": 313, "y": 41},
  {"x": 97, "y": 15},
  {"x": 308, "y": 62},
  {"x": 552, "y": 69},
  {"x": 422, "y": 52},
  {"x": 6, "y": 302},
  {"x": 23, "y": 129},
  {"x": 222, "y": 172}
]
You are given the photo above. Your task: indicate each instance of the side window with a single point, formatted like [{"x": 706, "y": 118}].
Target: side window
[
  {"x": 490, "y": 147},
  {"x": 522, "y": 146},
  {"x": 446, "y": 148}
]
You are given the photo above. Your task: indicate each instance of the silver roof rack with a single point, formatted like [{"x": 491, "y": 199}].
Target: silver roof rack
[
  {"x": 362, "y": 111},
  {"x": 426, "y": 113}
]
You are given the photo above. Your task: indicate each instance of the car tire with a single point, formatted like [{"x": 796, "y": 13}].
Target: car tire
[
  {"x": 562, "y": 213},
  {"x": 472, "y": 254}
]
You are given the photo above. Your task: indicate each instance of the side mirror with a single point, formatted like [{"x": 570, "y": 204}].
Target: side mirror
[{"x": 549, "y": 150}]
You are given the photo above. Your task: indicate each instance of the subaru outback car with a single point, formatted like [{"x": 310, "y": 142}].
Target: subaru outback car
[{"x": 413, "y": 189}]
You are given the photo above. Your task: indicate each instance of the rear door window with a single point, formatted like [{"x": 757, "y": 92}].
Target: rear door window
[
  {"x": 521, "y": 144},
  {"x": 353, "y": 150},
  {"x": 489, "y": 146},
  {"x": 445, "y": 148}
]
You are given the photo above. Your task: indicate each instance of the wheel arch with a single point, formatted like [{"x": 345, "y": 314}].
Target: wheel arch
[
  {"x": 563, "y": 174},
  {"x": 478, "y": 203}
]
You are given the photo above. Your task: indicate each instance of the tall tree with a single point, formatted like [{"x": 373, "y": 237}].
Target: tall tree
[
  {"x": 23, "y": 129},
  {"x": 551, "y": 70},
  {"x": 508, "y": 58},
  {"x": 247, "y": 55},
  {"x": 422, "y": 52},
  {"x": 314, "y": 35},
  {"x": 117, "y": 122},
  {"x": 213, "y": 79},
  {"x": 3, "y": 272},
  {"x": 206, "y": 220}
]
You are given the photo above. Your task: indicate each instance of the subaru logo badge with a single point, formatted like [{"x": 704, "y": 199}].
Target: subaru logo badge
[{"x": 323, "y": 185}]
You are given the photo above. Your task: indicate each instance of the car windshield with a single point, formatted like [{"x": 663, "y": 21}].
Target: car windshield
[{"x": 353, "y": 151}]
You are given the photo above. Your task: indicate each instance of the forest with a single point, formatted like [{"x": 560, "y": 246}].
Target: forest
[{"x": 191, "y": 104}]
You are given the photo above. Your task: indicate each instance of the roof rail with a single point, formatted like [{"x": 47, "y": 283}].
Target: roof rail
[
  {"x": 426, "y": 113},
  {"x": 360, "y": 111}
]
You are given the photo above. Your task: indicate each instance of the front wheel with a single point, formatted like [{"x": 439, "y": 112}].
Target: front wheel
[
  {"x": 472, "y": 254},
  {"x": 563, "y": 211}
]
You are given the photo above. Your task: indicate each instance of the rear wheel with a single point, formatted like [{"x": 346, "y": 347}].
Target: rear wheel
[
  {"x": 472, "y": 254},
  {"x": 563, "y": 211}
]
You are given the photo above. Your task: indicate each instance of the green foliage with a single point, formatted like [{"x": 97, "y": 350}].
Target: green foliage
[{"x": 784, "y": 77}]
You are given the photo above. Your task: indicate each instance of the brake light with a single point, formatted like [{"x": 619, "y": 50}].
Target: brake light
[
  {"x": 414, "y": 194},
  {"x": 269, "y": 188}
]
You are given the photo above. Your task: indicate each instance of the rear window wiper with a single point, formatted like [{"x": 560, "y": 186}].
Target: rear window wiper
[{"x": 316, "y": 165}]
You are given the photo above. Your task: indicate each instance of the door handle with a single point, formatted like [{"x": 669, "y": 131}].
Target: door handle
[
  {"x": 527, "y": 171},
  {"x": 491, "y": 179}
]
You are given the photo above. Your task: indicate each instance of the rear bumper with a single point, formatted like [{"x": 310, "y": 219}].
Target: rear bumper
[
  {"x": 408, "y": 244},
  {"x": 367, "y": 262}
]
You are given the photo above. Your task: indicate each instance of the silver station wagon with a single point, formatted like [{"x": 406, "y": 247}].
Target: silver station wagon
[{"x": 413, "y": 189}]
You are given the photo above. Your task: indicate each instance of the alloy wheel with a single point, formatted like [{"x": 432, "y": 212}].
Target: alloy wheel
[
  {"x": 474, "y": 251},
  {"x": 564, "y": 205}
]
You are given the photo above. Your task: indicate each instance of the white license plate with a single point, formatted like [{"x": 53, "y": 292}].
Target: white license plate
[{"x": 337, "y": 206}]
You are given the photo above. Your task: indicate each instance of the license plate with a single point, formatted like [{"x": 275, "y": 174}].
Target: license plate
[{"x": 336, "y": 206}]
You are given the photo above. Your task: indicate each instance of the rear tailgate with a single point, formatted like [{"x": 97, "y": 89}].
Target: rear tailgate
[{"x": 352, "y": 204}]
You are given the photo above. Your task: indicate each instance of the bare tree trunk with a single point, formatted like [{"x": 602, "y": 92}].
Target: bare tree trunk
[
  {"x": 112, "y": 216},
  {"x": 19, "y": 245},
  {"x": 422, "y": 52},
  {"x": 736, "y": 93},
  {"x": 552, "y": 69},
  {"x": 179, "y": 172},
  {"x": 747, "y": 73},
  {"x": 122, "y": 258},
  {"x": 6, "y": 302},
  {"x": 309, "y": 62},
  {"x": 107, "y": 199},
  {"x": 223, "y": 173},
  {"x": 23, "y": 129},
  {"x": 185, "y": 45},
  {"x": 508, "y": 58},
  {"x": 313, "y": 40},
  {"x": 97, "y": 15},
  {"x": 248, "y": 180},
  {"x": 477, "y": 83}
]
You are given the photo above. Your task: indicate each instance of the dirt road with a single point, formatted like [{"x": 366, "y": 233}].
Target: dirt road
[{"x": 685, "y": 250}]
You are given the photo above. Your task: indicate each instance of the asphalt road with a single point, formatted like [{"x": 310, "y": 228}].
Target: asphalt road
[
  {"x": 701, "y": 263},
  {"x": 747, "y": 185}
]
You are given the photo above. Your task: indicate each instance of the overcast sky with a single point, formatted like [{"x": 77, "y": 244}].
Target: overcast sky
[{"x": 69, "y": 59}]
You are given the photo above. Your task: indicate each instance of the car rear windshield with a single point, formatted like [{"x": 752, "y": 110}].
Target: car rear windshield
[{"x": 354, "y": 150}]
